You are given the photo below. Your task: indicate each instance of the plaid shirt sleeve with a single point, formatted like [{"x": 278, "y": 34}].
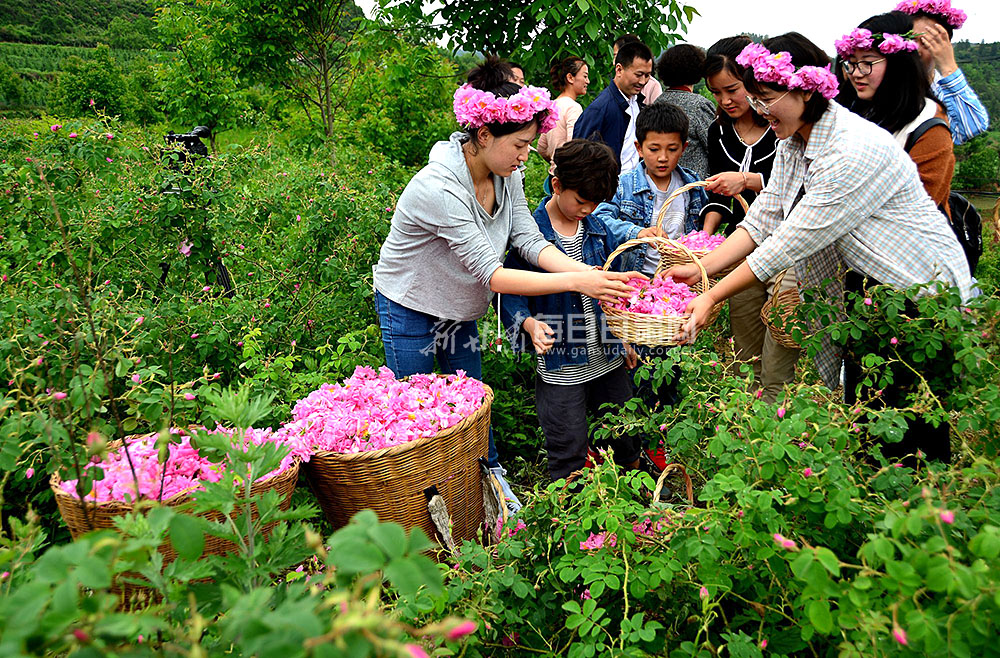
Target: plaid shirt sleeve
[
  {"x": 842, "y": 194},
  {"x": 967, "y": 114}
]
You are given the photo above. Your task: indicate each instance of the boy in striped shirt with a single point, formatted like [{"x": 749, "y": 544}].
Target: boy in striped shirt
[{"x": 580, "y": 365}]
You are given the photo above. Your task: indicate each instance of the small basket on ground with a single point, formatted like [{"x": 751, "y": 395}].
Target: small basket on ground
[
  {"x": 82, "y": 517},
  {"x": 644, "y": 328},
  {"x": 783, "y": 303},
  {"x": 397, "y": 482},
  {"x": 674, "y": 256}
]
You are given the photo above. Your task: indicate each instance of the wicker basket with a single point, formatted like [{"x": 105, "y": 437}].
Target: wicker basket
[
  {"x": 653, "y": 330},
  {"x": 83, "y": 518},
  {"x": 392, "y": 481},
  {"x": 675, "y": 256},
  {"x": 782, "y": 302}
]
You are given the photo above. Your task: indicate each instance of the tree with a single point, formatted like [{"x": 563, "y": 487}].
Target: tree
[
  {"x": 130, "y": 35},
  {"x": 11, "y": 86},
  {"x": 538, "y": 32},
  {"x": 97, "y": 80},
  {"x": 301, "y": 46},
  {"x": 198, "y": 86}
]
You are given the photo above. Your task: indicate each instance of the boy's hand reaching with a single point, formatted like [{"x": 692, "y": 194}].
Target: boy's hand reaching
[
  {"x": 541, "y": 334},
  {"x": 652, "y": 232}
]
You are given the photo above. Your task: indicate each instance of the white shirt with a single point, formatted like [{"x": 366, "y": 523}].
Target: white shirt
[
  {"x": 629, "y": 155},
  {"x": 673, "y": 220}
]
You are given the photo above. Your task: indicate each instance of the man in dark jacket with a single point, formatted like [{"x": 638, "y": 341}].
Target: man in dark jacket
[{"x": 611, "y": 117}]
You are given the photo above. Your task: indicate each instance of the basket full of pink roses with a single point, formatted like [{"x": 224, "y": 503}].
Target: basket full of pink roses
[{"x": 380, "y": 443}]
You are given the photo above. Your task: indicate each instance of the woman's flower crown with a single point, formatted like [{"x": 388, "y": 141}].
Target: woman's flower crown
[
  {"x": 777, "y": 68},
  {"x": 475, "y": 108},
  {"x": 942, "y": 8},
  {"x": 862, "y": 39}
]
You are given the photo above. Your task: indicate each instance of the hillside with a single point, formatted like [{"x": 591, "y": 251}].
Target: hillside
[
  {"x": 981, "y": 64},
  {"x": 69, "y": 22}
]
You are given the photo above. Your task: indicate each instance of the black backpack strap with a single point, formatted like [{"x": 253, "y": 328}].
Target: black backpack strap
[{"x": 919, "y": 131}]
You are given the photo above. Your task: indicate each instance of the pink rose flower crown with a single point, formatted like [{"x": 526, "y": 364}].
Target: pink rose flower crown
[
  {"x": 475, "y": 108},
  {"x": 940, "y": 8},
  {"x": 777, "y": 68},
  {"x": 862, "y": 39}
]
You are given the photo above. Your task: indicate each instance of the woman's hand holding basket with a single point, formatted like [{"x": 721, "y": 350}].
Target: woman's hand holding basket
[{"x": 606, "y": 286}]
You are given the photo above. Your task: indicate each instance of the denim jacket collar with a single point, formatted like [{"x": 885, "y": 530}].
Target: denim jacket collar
[{"x": 590, "y": 226}]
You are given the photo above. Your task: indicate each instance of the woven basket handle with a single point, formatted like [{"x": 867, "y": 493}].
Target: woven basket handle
[
  {"x": 681, "y": 190},
  {"x": 777, "y": 287},
  {"x": 688, "y": 485},
  {"x": 628, "y": 244}
]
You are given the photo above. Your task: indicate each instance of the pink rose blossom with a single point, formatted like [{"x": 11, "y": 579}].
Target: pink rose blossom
[
  {"x": 30, "y": 473},
  {"x": 136, "y": 378},
  {"x": 72, "y": 135},
  {"x": 784, "y": 542},
  {"x": 59, "y": 395},
  {"x": 185, "y": 248},
  {"x": 807, "y": 472},
  {"x": 659, "y": 296},
  {"x": 781, "y": 412},
  {"x": 461, "y": 630},
  {"x": 868, "y": 301},
  {"x": 899, "y": 635},
  {"x": 703, "y": 592},
  {"x": 415, "y": 651},
  {"x": 763, "y": 643},
  {"x": 947, "y": 516},
  {"x": 893, "y": 341}
]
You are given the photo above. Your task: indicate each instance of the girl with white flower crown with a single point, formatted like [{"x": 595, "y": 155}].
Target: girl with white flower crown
[
  {"x": 888, "y": 86},
  {"x": 442, "y": 261},
  {"x": 844, "y": 204}
]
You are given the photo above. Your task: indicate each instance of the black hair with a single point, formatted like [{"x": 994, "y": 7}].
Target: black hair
[
  {"x": 515, "y": 65},
  {"x": 494, "y": 75},
  {"x": 939, "y": 19},
  {"x": 804, "y": 53},
  {"x": 633, "y": 51},
  {"x": 722, "y": 57},
  {"x": 905, "y": 87},
  {"x": 661, "y": 118},
  {"x": 624, "y": 39},
  {"x": 682, "y": 64},
  {"x": 563, "y": 67},
  {"x": 588, "y": 168}
]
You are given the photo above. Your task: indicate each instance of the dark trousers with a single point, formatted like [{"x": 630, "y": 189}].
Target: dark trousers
[
  {"x": 933, "y": 442},
  {"x": 563, "y": 411}
]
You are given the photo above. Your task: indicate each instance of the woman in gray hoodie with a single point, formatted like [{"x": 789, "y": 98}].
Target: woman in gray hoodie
[{"x": 443, "y": 258}]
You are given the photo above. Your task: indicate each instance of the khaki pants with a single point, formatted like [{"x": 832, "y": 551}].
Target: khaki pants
[{"x": 775, "y": 365}]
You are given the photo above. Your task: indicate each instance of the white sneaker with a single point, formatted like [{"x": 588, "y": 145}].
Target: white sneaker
[{"x": 513, "y": 504}]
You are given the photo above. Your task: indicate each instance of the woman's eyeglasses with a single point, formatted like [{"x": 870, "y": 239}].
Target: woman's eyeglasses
[
  {"x": 864, "y": 67},
  {"x": 760, "y": 107}
]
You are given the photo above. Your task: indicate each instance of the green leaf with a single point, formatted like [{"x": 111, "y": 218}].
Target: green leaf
[
  {"x": 819, "y": 616},
  {"x": 390, "y": 537},
  {"x": 829, "y": 560},
  {"x": 187, "y": 536}
]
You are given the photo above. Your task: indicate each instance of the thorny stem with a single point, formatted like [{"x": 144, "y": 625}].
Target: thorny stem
[{"x": 81, "y": 283}]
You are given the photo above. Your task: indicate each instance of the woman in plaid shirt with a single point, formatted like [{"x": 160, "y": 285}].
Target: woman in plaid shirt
[{"x": 844, "y": 201}]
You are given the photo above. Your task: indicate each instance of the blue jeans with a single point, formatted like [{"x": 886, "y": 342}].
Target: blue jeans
[{"x": 414, "y": 340}]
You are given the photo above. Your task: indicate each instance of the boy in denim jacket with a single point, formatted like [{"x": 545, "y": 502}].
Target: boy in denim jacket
[
  {"x": 661, "y": 136},
  {"x": 580, "y": 365}
]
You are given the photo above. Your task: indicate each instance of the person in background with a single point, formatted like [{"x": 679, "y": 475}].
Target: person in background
[
  {"x": 935, "y": 22},
  {"x": 516, "y": 74},
  {"x": 680, "y": 69},
  {"x": 442, "y": 261},
  {"x": 844, "y": 204},
  {"x": 569, "y": 77},
  {"x": 652, "y": 90},
  {"x": 888, "y": 86},
  {"x": 611, "y": 116},
  {"x": 579, "y": 367},
  {"x": 741, "y": 148}
]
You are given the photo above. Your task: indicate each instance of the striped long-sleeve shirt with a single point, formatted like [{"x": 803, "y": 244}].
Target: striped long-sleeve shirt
[
  {"x": 863, "y": 208},
  {"x": 966, "y": 113}
]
